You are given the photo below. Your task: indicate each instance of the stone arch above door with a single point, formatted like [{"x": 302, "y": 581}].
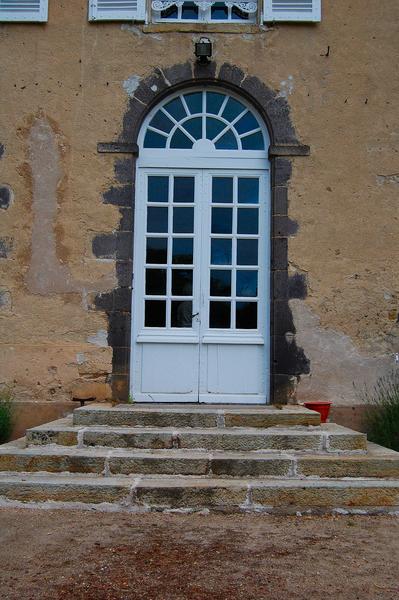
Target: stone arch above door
[
  {"x": 274, "y": 109},
  {"x": 288, "y": 361}
]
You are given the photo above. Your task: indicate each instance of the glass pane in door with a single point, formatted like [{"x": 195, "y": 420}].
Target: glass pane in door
[
  {"x": 233, "y": 271},
  {"x": 169, "y": 266}
]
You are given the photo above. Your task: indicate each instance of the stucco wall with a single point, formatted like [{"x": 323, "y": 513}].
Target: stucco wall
[{"x": 66, "y": 86}]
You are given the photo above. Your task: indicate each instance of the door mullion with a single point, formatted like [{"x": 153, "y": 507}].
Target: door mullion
[
  {"x": 234, "y": 254},
  {"x": 169, "y": 254},
  {"x": 203, "y": 273}
]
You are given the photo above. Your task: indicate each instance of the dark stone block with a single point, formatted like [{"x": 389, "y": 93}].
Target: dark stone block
[
  {"x": 207, "y": 71},
  {"x": 282, "y": 318},
  {"x": 178, "y": 73},
  {"x": 280, "y": 284},
  {"x": 123, "y": 299},
  {"x": 278, "y": 113},
  {"x": 297, "y": 286},
  {"x": 145, "y": 94},
  {"x": 282, "y": 170},
  {"x": 120, "y": 387},
  {"x": 231, "y": 74},
  {"x": 117, "y": 148},
  {"x": 126, "y": 222},
  {"x": 279, "y": 253},
  {"x": 124, "y": 271},
  {"x": 120, "y": 361},
  {"x": 281, "y": 388},
  {"x": 132, "y": 120},
  {"x": 280, "y": 200},
  {"x": 104, "y": 245},
  {"x": 288, "y": 357},
  {"x": 150, "y": 87},
  {"x": 2, "y": 150},
  {"x": 124, "y": 170},
  {"x": 5, "y": 197},
  {"x": 287, "y": 150},
  {"x": 119, "y": 329},
  {"x": 119, "y": 196},
  {"x": 104, "y": 301},
  {"x": 6, "y": 246},
  {"x": 259, "y": 91},
  {"x": 124, "y": 245},
  {"x": 284, "y": 227}
]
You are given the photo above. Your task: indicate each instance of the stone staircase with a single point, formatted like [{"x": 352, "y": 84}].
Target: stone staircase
[{"x": 185, "y": 457}]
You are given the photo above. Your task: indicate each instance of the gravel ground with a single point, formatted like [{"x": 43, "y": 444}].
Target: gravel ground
[{"x": 73, "y": 555}]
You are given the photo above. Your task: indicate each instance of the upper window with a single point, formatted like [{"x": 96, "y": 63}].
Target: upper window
[
  {"x": 23, "y": 10},
  {"x": 234, "y": 11},
  {"x": 204, "y": 10},
  {"x": 209, "y": 11},
  {"x": 200, "y": 118}
]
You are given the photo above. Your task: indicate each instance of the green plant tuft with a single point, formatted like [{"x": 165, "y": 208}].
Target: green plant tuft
[
  {"x": 382, "y": 412},
  {"x": 6, "y": 414}
]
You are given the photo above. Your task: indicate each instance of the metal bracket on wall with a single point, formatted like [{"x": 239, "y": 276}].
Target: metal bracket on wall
[{"x": 118, "y": 148}]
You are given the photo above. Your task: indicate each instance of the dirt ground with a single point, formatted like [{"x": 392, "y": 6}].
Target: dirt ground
[{"x": 112, "y": 556}]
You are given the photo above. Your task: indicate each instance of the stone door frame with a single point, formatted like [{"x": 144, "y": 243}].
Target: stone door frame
[{"x": 287, "y": 360}]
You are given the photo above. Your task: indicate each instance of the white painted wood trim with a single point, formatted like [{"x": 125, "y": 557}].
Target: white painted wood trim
[
  {"x": 97, "y": 13},
  {"x": 272, "y": 11},
  {"x": 232, "y": 399},
  {"x": 17, "y": 14},
  {"x": 230, "y": 339},
  {"x": 166, "y": 339}
]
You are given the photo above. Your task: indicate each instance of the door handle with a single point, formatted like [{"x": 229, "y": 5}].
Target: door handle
[{"x": 195, "y": 315}]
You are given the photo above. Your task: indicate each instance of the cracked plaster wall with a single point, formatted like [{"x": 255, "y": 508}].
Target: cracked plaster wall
[{"x": 65, "y": 87}]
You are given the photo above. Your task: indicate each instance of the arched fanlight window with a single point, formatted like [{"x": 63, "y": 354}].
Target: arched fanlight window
[{"x": 190, "y": 117}]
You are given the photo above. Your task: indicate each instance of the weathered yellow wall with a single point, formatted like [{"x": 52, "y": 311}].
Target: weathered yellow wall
[{"x": 64, "y": 88}]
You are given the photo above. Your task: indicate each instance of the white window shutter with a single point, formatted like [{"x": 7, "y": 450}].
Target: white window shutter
[
  {"x": 117, "y": 10},
  {"x": 292, "y": 10},
  {"x": 23, "y": 10}
]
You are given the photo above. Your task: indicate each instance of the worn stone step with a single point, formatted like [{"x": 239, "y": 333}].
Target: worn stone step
[
  {"x": 329, "y": 437},
  {"x": 158, "y": 415},
  {"x": 273, "y": 494},
  {"x": 60, "y": 432},
  {"x": 190, "y": 493},
  {"x": 379, "y": 462},
  {"x": 58, "y": 459}
]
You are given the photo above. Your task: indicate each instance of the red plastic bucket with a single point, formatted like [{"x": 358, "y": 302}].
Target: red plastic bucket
[{"x": 320, "y": 406}]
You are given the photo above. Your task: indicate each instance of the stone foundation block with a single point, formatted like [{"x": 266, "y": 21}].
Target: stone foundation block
[
  {"x": 350, "y": 441},
  {"x": 45, "y": 489},
  {"x": 190, "y": 496},
  {"x": 158, "y": 465},
  {"x": 251, "y": 467},
  {"x": 52, "y": 463},
  {"x": 320, "y": 495}
]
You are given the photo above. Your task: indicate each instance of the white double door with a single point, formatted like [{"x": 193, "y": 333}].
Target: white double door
[{"x": 200, "y": 313}]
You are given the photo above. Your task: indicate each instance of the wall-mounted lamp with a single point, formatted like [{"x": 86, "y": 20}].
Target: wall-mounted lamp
[{"x": 203, "y": 50}]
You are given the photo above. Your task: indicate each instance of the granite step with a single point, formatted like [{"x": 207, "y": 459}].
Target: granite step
[
  {"x": 191, "y": 493},
  {"x": 328, "y": 437},
  {"x": 199, "y": 415},
  {"x": 378, "y": 462}
]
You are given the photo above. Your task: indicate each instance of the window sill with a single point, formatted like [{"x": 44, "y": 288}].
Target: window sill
[{"x": 204, "y": 28}]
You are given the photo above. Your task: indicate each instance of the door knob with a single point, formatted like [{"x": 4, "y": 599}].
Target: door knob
[{"x": 195, "y": 315}]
